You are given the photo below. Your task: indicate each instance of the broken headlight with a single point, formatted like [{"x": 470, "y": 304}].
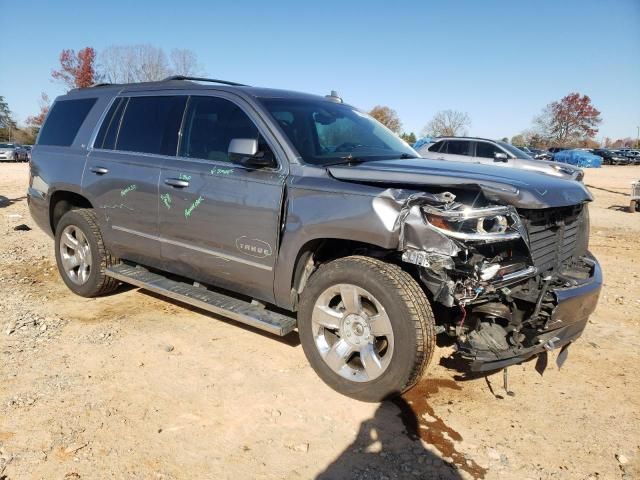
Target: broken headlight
[{"x": 485, "y": 224}]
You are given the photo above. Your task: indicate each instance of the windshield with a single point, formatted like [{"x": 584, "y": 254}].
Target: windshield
[
  {"x": 324, "y": 132},
  {"x": 7, "y": 145},
  {"x": 516, "y": 152}
]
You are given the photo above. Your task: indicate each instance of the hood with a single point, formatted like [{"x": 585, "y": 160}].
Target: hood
[{"x": 510, "y": 186}]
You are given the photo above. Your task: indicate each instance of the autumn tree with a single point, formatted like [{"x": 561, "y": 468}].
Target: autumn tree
[
  {"x": 569, "y": 121},
  {"x": 447, "y": 123},
  {"x": 388, "y": 117},
  {"x": 36, "y": 121},
  {"x": 77, "y": 70}
]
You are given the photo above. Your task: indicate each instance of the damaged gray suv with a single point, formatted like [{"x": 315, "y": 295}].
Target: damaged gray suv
[{"x": 283, "y": 210}]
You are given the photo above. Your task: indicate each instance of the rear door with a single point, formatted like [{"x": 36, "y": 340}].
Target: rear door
[
  {"x": 219, "y": 221},
  {"x": 457, "y": 150},
  {"x": 123, "y": 169}
]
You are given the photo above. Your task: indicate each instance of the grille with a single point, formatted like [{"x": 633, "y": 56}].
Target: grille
[{"x": 555, "y": 235}]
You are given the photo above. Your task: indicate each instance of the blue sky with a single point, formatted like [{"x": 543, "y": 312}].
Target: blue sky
[{"x": 499, "y": 61}]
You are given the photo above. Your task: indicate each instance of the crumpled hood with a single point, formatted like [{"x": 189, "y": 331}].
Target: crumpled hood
[{"x": 520, "y": 188}]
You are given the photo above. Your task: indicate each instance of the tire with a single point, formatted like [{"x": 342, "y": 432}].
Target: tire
[
  {"x": 82, "y": 226},
  {"x": 396, "y": 299}
]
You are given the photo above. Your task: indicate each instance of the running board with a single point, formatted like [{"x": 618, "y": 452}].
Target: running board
[{"x": 210, "y": 301}]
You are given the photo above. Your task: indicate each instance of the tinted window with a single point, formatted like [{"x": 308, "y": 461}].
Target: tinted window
[
  {"x": 210, "y": 125},
  {"x": 151, "y": 124},
  {"x": 515, "y": 151},
  {"x": 106, "y": 137},
  {"x": 458, "y": 147},
  {"x": 436, "y": 146},
  {"x": 64, "y": 121},
  {"x": 486, "y": 150}
]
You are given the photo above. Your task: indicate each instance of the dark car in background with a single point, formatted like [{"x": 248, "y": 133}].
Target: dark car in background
[{"x": 610, "y": 157}]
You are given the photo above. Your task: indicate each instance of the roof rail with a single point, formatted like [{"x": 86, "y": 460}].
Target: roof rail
[{"x": 201, "y": 79}]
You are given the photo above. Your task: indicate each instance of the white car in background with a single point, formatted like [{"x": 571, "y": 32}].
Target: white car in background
[
  {"x": 12, "y": 152},
  {"x": 493, "y": 152}
]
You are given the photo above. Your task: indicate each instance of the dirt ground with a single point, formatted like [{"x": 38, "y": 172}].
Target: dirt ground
[{"x": 131, "y": 386}]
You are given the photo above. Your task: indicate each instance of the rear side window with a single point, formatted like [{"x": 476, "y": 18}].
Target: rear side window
[
  {"x": 458, "y": 147},
  {"x": 106, "y": 137},
  {"x": 436, "y": 146},
  {"x": 486, "y": 150},
  {"x": 151, "y": 125},
  {"x": 64, "y": 121}
]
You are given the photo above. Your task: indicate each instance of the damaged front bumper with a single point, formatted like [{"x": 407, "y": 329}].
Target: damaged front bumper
[{"x": 568, "y": 319}]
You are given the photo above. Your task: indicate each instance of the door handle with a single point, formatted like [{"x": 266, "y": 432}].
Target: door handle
[
  {"x": 176, "y": 182},
  {"x": 99, "y": 170}
]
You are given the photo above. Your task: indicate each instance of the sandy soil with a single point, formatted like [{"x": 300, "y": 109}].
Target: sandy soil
[{"x": 131, "y": 386}]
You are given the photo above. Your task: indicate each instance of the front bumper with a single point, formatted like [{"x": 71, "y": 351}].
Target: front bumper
[{"x": 568, "y": 320}]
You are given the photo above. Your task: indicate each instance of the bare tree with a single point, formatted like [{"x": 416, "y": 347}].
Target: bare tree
[
  {"x": 184, "y": 62},
  {"x": 447, "y": 123},
  {"x": 133, "y": 63}
]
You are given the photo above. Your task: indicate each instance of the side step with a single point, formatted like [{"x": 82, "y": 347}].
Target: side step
[{"x": 217, "y": 303}]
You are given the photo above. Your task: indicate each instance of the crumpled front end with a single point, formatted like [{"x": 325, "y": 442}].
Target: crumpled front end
[{"x": 513, "y": 282}]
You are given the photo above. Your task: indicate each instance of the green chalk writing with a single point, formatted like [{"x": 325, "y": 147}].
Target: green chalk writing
[
  {"x": 130, "y": 188},
  {"x": 194, "y": 205},
  {"x": 166, "y": 199}
]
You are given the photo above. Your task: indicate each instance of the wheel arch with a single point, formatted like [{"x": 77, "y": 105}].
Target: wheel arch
[
  {"x": 317, "y": 251},
  {"x": 61, "y": 202}
]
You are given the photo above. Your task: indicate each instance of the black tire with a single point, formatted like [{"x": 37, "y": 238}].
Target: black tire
[
  {"x": 97, "y": 283},
  {"x": 408, "y": 310}
]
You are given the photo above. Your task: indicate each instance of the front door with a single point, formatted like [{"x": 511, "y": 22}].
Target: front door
[{"x": 219, "y": 221}]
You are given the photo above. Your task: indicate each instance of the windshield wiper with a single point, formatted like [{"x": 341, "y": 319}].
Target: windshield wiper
[{"x": 346, "y": 160}]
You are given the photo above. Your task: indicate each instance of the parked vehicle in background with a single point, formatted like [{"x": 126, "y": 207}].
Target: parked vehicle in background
[
  {"x": 496, "y": 153},
  {"x": 12, "y": 152},
  {"x": 634, "y": 204},
  {"x": 28, "y": 149},
  {"x": 539, "y": 154},
  {"x": 633, "y": 156},
  {"x": 284, "y": 210},
  {"x": 610, "y": 157}
]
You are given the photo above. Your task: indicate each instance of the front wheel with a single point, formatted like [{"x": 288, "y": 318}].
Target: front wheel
[{"x": 366, "y": 327}]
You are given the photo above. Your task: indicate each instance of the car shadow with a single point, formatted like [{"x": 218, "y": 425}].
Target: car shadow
[
  {"x": 620, "y": 208},
  {"x": 5, "y": 201},
  {"x": 385, "y": 448}
]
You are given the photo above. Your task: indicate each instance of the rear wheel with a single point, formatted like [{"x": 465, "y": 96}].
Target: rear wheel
[
  {"x": 366, "y": 327},
  {"x": 81, "y": 255}
]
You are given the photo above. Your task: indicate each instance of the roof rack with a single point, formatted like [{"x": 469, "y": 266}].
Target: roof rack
[{"x": 201, "y": 79}]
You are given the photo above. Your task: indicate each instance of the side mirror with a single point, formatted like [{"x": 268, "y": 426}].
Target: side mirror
[
  {"x": 500, "y": 157},
  {"x": 244, "y": 151}
]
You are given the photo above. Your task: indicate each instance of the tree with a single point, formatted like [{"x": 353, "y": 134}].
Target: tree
[
  {"x": 145, "y": 63},
  {"x": 7, "y": 123},
  {"x": 76, "y": 70},
  {"x": 36, "y": 121},
  {"x": 569, "y": 121},
  {"x": 447, "y": 123},
  {"x": 410, "y": 138},
  {"x": 184, "y": 62},
  {"x": 387, "y": 116},
  {"x": 519, "y": 140}
]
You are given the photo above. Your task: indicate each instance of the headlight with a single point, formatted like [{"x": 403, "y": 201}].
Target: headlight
[{"x": 487, "y": 224}]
